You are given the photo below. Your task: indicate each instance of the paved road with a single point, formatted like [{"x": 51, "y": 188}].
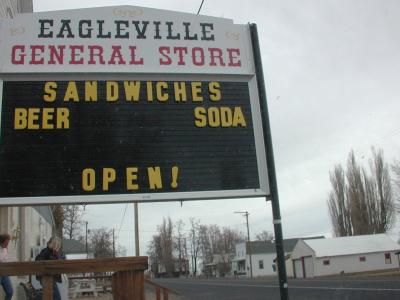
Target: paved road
[{"x": 351, "y": 288}]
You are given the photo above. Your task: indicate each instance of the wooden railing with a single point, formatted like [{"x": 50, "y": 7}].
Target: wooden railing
[
  {"x": 127, "y": 280},
  {"x": 158, "y": 288}
]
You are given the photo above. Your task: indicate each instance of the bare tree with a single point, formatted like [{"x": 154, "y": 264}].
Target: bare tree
[
  {"x": 396, "y": 171},
  {"x": 180, "y": 245},
  {"x": 385, "y": 207},
  {"x": 361, "y": 203},
  {"x": 58, "y": 215},
  {"x": 265, "y": 236},
  {"x": 72, "y": 225},
  {"x": 154, "y": 253},
  {"x": 166, "y": 241},
  {"x": 230, "y": 238},
  {"x": 339, "y": 207},
  {"x": 101, "y": 242},
  {"x": 194, "y": 243}
]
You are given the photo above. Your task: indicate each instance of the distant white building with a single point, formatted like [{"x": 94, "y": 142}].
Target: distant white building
[
  {"x": 263, "y": 257},
  {"x": 320, "y": 257}
]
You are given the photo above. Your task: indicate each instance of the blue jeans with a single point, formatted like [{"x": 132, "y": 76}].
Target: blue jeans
[
  {"x": 56, "y": 292},
  {"x": 7, "y": 287}
]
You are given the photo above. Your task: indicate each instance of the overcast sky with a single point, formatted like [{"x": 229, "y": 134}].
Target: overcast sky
[{"x": 332, "y": 72}]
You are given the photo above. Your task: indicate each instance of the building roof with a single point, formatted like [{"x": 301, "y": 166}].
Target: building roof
[
  {"x": 352, "y": 245},
  {"x": 259, "y": 247},
  {"x": 46, "y": 213},
  {"x": 73, "y": 247}
]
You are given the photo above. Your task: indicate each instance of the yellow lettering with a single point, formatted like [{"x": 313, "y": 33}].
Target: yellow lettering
[
  {"x": 112, "y": 91},
  {"x": 200, "y": 117},
  {"x": 62, "y": 118},
  {"x": 131, "y": 177},
  {"x": 196, "y": 92},
  {"x": 109, "y": 175},
  {"x": 33, "y": 116},
  {"x": 20, "y": 118},
  {"x": 88, "y": 180},
  {"x": 226, "y": 117},
  {"x": 213, "y": 117},
  {"x": 50, "y": 91},
  {"x": 162, "y": 95},
  {"x": 215, "y": 92},
  {"x": 90, "y": 91},
  {"x": 132, "y": 90},
  {"x": 47, "y": 116},
  {"x": 238, "y": 117},
  {"x": 72, "y": 92},
  {"x": 180, "y": 91},
  {"x": 149, "y": 88},
  {"x": 155, "y": 181}
]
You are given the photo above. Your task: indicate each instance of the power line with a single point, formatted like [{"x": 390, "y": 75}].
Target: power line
[
  {"x": 123, "y": 217},
  {"x": 202, "y": 1}
]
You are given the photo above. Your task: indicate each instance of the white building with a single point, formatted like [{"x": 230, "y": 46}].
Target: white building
[
  {"x": 263, "y": 255},
  {"x": 30, "y": 229},
  {"x": 320, "y": 257}
]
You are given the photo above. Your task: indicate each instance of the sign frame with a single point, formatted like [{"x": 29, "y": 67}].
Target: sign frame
[{"x": 157, "y": 196}]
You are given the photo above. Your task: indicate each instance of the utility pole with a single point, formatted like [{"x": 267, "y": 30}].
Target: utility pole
[
  {"x": 246, "y": 214},
  {"x": 113, "y": 242},
  {"x": 136, "y": 208},
  {"x": 87, "y": 251}
]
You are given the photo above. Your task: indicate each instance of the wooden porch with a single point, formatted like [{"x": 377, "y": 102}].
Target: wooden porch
[{"x": 127, "y": 279}]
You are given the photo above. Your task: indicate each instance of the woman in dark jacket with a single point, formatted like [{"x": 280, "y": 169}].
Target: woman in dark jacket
[{"x": 52, "y": 252}]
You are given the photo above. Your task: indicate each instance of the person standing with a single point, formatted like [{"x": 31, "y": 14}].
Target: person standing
[
  {"x": 5, "y": 280},
  {"x": 52, "y": 252}
]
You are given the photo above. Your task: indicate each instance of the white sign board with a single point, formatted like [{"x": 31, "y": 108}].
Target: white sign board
[
  {"x": 124, "y": 39},
  {"x": 126, "y": 103}
]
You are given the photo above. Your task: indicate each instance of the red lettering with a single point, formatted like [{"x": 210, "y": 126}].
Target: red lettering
[
  {"x": 133, "y": 57},
  {"x": 232, "y": 58},
  {"x": 37, "y": 55},
  {"x": 76, "y": 51},
  {"x": 181, "y": 51},
  {"x": 216, "y": 53},
  {"x": 95, "y": 50},
  {"x": 18, "y": 51},
  {"x": 116, "y": 53},
  {"x": 56, "y": 53},
  {"x": 164, "y": 51},
  {"x": 201, "y": 55}
]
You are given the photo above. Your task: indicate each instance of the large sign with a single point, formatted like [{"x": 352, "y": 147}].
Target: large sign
[
  {"x": 124, "y": 39},
  {"x": 128, "y": 104}
]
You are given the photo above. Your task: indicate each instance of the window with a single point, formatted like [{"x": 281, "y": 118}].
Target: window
[
  {"x": 388, "y": 258},
  {"x": 326, "y": 262},
  {"x": 274, "y": 267},
  {"x": 362, "y": 258},
  {"x": 261, "y": 264}
]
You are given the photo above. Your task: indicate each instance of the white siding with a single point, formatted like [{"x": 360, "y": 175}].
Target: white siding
[
  {"x": 309, "y": 266},
  {"x": 25, "y": 222},
  {"x": 352, "y": 263},
  {"x": 289, "y": 268},
  {"x": 268, "y": 261},
  {"x": 301, "y": 249},
  {"x": 298, "y": 268}
]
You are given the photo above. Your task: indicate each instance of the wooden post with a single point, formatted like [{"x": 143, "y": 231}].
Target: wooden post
[
  {"x": 128, "y": 285},
  {"x": 47, "y": 283}
]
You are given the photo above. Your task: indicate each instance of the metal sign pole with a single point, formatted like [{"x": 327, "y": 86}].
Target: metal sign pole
[{"x": 271, "y": 165}]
